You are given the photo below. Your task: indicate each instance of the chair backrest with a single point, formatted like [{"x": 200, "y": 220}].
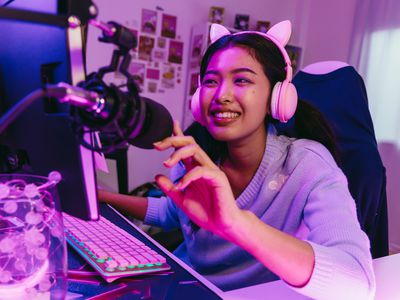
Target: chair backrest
[
  {"x": 324, "y": 67},
  {"x": 338, "y": 91}
]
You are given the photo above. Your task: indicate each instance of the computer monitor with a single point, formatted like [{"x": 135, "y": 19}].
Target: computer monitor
[{"x": 34, "y": 53}]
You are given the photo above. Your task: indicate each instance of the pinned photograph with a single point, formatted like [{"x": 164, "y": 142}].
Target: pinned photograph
[
  {"x": 152, "y": 86},
  {"x": 242, "y": 22},
  {"x": 216, "y": 15},
  {"x": 161, "y": 42},
  {"x": 137, "y": 70},
  {"x": 194, "y": 83},
  {"x": 153, "y": 74},
  {"x": 168, "y": 26},
  {"x": 149, "y": 21},
  {"x": 159, "y": 55},
  {"x": 175, "y": 52},
  {"x": 197, "y": 44},
  {"x": 168, "y": 76},
  {"x": 263, "y": 26},
  {"x": 146, "y": 45}
]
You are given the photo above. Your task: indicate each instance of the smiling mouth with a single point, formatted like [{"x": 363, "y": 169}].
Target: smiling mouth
[{"x": 227, "y": 115}]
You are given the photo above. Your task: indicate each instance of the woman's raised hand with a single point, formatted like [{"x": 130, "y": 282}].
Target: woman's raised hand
[{"x": 204, "y": 193}]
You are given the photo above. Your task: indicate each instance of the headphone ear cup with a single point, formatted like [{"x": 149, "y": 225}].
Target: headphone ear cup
[
  {"x": 195, "y": 107},
  {"x": 283, "y": 101},
  {"x": 275, "y": 100},
  {"x": 287, "y": 101}
]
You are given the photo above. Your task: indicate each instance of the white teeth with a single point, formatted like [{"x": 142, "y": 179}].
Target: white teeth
[{"x": 226, "y": 115}]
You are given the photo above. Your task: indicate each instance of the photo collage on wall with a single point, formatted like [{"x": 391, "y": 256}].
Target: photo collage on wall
[
  {"x": 242, "y": 23},
  {"x": 157, "y": 60}
]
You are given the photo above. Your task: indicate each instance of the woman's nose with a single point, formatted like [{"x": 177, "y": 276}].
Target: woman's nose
[{"x": 224, "y": 93}]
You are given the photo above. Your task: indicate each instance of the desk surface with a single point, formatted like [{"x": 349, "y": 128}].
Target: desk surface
[
  {"x": 387, "y": 273},
  {"x": 182, "y": 281},
  {"x": 175, "y": 284}
]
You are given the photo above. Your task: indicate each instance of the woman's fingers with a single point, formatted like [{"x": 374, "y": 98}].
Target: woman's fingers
[
  {"x": 175, "y": 142},
  {"x": 199, "y": 173},
  {"x": 189, "y": 155},
  {"x": 169, "y": 189},
  {"x": 177, "y": 128}
]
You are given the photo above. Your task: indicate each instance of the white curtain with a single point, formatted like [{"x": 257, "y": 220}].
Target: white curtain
[
  {"x": 377, "y": 58},
  {"x": 376, "y": 55}
]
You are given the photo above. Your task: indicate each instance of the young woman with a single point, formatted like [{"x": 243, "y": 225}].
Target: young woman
[{"x": 255, "y": 206}]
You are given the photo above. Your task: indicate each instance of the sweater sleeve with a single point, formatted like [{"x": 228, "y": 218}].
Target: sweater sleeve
[
  {"x": 162, "y": 212},
  {"x": 343, "y": 263}
]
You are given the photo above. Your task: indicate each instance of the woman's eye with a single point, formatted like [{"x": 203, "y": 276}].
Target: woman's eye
[
  {"x": 242, "y": 81},
  {"x": 209, "y": 82}
]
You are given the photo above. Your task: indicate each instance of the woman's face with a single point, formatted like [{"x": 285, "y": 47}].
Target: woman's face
[{"x": 234, "y": 95}]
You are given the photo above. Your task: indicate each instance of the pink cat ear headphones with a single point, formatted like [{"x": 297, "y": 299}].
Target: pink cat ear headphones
[{"x": 284, "y": 94}]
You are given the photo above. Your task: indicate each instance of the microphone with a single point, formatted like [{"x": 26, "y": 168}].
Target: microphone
[
  {"x": 119, "y": 116},
  {"x": 158, "y": 125}
]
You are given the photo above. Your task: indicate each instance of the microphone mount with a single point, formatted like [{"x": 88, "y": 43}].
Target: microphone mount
[{"x": 125, "y": 40}]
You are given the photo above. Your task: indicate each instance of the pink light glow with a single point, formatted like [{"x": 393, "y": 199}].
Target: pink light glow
[{"x": 19, "y": 290}]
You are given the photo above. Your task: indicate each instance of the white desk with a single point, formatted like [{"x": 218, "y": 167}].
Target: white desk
[{"x": 387, "y": 273}]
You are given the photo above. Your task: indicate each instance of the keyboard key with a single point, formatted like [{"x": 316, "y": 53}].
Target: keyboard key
[{"x": 111, "y": 264}]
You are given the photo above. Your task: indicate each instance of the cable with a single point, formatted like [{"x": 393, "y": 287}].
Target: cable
[{"x": 17, "y": 109}]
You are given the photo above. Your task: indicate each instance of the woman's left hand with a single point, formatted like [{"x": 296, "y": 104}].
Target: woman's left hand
[{"x": 204, "y": 193}]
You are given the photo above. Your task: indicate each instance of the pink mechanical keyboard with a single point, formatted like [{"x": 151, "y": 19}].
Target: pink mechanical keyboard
[{"x": 110, "y": 250}]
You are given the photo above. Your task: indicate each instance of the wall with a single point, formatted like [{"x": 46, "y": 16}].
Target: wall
[
  {"x": 326, "y": 29},
  {"x": 321, "y": 28}
]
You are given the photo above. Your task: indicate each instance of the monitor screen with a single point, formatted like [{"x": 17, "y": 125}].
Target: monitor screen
[{"x": 33, "y": 54}]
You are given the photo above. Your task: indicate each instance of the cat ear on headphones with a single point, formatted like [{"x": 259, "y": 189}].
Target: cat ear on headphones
[
  {"x": 281, "y": 32},
  {"x": 217, "y": 31}
]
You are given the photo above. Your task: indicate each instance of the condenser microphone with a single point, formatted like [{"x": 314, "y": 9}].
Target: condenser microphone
[{"x": 114, "y": 113}]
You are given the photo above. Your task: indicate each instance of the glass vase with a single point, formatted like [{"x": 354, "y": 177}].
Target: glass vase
[{"x": 33, "y": 257}]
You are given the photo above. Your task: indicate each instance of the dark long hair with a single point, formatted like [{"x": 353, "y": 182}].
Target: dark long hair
[{"x": 307, "y": 122}]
